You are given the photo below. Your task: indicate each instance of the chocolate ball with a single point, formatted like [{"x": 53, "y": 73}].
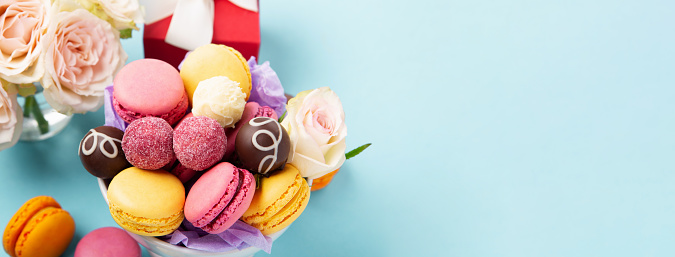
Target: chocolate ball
[
  {"x": 262, "y": 145},
  {"x": 101, "y": 152}
]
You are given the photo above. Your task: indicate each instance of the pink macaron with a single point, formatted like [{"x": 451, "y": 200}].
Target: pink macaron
[
  {"x": 251, "y": 110},
  {"x": 107, "y": 242},
  {"x": 219, "y": 198},
  {"x": 199, "y": 142},
  {"x": 149, "y": 87},
  {"x": 148, "y": 143}
]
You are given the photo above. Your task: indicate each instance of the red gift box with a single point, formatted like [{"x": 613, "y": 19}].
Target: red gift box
[{"x": 233, "y": 26}]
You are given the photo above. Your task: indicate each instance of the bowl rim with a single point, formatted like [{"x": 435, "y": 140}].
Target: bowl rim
[{"x": 153, "y": 240}]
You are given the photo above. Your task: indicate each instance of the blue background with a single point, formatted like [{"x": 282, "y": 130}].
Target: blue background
[{"x": 499, "y": 128}]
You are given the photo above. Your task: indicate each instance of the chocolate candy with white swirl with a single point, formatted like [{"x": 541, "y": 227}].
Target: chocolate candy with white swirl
[
  {"x": 262, "y": 145},
  {"x": 101, "y": 152}
]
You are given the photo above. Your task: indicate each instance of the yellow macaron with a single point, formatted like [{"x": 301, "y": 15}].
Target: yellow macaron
[
  {"x": 214, "y": 60},
  {"x": 39, "y": 228},
  {"x": 279, "y": 201},
  {"x": 146, "y": 202}
]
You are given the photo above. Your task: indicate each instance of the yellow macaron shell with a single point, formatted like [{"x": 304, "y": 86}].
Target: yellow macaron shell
[
  {"x": 215, "y": 60},
  {"x": 273, "y": 194},
  {"x": 47, "y": 234},
  {"x": 146, "y": 202},
  {"x": 279, "y": 200},
  {"x": 288, "y": 214}
]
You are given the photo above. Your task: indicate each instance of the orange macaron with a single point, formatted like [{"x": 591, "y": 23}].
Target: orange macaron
[{"x": 39, "y": 228}]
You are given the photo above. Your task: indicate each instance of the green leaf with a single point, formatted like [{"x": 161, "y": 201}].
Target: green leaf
[
  {"x": 282, "y": 117},
  {"x": 258, "y": 180},
  {"x": 125, "y": 33},
  {"x": 357, "y": 151}
]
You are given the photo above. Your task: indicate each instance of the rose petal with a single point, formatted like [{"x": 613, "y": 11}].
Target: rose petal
[
  {"x": 313, "y": 169},
  {"x": 11, "y": 120},
  {"x": 316, "y": 127},
  {"x": 21, "y": 26},
  {"x": 123, "y": 13},
  {"x": 82, "y": 53},
  {"x": 306, "y": 145}
]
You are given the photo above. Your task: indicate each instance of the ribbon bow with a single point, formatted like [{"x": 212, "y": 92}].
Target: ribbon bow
[{"x": 192, "y": 22}]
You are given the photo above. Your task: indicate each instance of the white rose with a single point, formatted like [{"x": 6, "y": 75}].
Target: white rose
[
  {"x": 82, "y": 53},
  {"x": 23, "y": 24},
  {"x": 122, "y": 14},
  {"x": 11, "y": 117},
  {"x": 315, "y": 122}
]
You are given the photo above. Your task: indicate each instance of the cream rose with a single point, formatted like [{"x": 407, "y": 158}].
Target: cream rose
[
  {"x": 122, "y": 14},
  {"x": 82, "y": 53},
  {"x": 22, "y": 25},
  {"x": 11, "y": 118},
  {"x": 315, "y": 122}
]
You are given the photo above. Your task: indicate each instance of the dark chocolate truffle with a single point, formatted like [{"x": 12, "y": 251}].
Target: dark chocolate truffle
[
  {"x": 262, "y": 145},
  {"x": 101, "y": 152}
]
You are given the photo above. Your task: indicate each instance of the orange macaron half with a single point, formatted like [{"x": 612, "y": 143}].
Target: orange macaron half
[{"x": 39, "y": 228}]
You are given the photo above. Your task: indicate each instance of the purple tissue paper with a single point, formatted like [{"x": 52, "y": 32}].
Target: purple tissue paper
[
  {"x": 266, "y": 87},
  {"x": 239, "y": 236},
  {"x": 111, "y": 117}
]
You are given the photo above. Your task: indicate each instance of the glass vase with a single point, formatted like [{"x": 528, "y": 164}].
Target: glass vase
[{"x": 42, "y": 124}]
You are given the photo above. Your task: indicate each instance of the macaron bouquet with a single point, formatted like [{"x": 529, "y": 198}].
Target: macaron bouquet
[{"x": 214, "y": 157}]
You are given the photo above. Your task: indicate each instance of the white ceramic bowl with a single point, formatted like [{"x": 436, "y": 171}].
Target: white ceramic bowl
[{"x": 158, "y": 247}]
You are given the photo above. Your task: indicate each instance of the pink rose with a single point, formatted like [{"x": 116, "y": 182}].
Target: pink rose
[
  {"x": 21, "y": 29},
  {"x": 82, "y": 53},
  {"x": 11, "y": 118},
  {"x": 315, "y": 122}
]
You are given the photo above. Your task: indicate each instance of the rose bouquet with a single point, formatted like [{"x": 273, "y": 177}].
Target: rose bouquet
[{"x": 70, "y": 49}]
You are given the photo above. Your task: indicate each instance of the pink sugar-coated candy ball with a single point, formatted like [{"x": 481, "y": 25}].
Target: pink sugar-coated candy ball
[
  {"x": 148, "y": 143},
  {"x": 199, "y": 142},
  {"x": 107, "y": 242}
]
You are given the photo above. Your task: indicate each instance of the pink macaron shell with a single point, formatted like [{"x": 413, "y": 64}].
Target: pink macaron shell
[
  {"x": 199, "y": 142},
  {"x": 148, "y": 143},
  {"x": 172, "y": 117},
  {"x": 148, "y": 86},
  {"x": 107, "y": 242},
  {"x": 251, "y": 110},
  {"x": 238, "y": 205},
  {"x": 203, "y": 202}
]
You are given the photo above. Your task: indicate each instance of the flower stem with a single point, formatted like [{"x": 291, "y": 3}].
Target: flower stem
[{"x": 31, "y": 107}]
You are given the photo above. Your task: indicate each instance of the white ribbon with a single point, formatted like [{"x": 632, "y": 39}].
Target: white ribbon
[{"x": 192, "y": 22}]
